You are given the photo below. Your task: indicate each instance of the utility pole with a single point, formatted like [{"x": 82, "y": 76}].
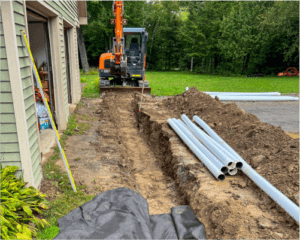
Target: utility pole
[{"x": 192, "y": 64}]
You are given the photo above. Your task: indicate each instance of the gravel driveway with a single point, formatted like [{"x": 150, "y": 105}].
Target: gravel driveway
[{"x": 284, "y": 114}]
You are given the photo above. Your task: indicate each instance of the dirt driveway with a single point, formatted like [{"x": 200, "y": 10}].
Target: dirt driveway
[{"x": 153, "y": 161}]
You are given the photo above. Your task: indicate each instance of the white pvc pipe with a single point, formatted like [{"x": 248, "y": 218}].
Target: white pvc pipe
[
  {"x": 204, "y": 139},
  {"x": 211, "y": 167},
  {"x": 201, "y": 147},
  {"x": 245, "y": 93},
  {"x": 254, "y": 98},
  {"x": 290, "y": 207}
]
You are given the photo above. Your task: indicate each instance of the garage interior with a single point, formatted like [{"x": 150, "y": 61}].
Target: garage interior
[{"x": 39, "y": 40}]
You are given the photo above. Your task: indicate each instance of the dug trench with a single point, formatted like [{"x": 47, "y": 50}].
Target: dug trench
[{"x": 152, "y": 160}]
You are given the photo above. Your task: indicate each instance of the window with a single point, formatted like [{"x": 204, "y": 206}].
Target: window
[
  {"x": 128, "y": 38},
  {"x": 107, "y": 63}
]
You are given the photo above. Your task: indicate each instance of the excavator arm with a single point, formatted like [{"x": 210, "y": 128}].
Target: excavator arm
[{"x": 118, "y": 46}]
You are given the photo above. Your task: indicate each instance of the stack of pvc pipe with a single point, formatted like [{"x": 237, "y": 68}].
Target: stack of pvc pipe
[
  {"x": 255, "y": 96},
  {"x": 220, "y": 159}
]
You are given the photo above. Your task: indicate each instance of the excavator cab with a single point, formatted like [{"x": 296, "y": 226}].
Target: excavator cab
[{"x": 132, "y": 73}]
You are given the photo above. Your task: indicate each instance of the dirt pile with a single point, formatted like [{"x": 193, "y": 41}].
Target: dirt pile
[{"x": 274, "y": 154}]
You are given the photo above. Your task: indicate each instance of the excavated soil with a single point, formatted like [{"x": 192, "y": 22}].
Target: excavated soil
[{"x": 153, "y": 161}]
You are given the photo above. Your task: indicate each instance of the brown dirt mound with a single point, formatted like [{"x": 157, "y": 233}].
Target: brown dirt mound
[{"x": 273, "y": 153}]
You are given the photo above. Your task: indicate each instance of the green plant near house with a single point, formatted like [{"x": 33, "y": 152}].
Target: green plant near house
[
  {"x": 83, "y": 80},
  {"x": 49, "y": 233},
  {"x": 18, "y": 203}
]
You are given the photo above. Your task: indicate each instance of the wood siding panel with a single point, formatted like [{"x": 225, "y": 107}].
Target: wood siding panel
[
  {"x": 16, "y": 164},
  {"x": 31, "y": 131},
  {"x": 18, "y": 7},
  {"x": 22, "y": 52},
  {"x": 26, "y": 83},
  {"x": 25, "y": 72},
  {"x": 6, "y": 98},
  {"x": 5, "y": 86},
  {"x": 8, "y": 138},
  {"x": 30, "y": 122},
  {"x": 32, "y": 140},
  {"x": 58, "y": 6},
  {"x": 30, "y": 111},
  {"x": 27, "y": 92},
  {"x": 4, "y": 75},
  {"x": 8, "y": 128},
  {"x": 39, "y": 178},
  {"x": 3, "y": 64},
  {"x": 7, "y": 108},
  {"x": 10, "y": 148},
  {"x": 23, "y": 62},
  {"x": 28, "y": 102},
  {"x": 2, "y": 43},
  {"x": 7, "y": 118},
  {"x": 3, "y": 52},
  {"x": 11, "y": 157}
]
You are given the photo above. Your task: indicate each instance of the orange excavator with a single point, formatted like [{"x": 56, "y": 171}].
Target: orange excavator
[{"x": 123, "y": 67}]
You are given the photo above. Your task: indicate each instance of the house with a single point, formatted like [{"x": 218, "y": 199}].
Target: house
[{"x": 51, "y": 28}]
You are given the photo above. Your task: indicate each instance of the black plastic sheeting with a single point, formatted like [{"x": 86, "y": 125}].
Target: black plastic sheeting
[{"x": 123, "y": 214}]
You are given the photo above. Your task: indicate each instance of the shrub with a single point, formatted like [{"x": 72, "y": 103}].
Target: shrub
[
  {"x": 18, "y": 203},
  {"x": 83, "y": 80}
]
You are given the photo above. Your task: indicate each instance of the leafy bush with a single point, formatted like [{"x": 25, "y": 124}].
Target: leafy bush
[
  {"x": 18, "y": 203},
  {"x": 82, "y": 80}
]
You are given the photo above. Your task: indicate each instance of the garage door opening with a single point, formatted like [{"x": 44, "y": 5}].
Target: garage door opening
[{"x": 41, "y": 52}]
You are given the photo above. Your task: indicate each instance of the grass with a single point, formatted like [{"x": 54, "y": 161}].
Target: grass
[
  {"x": 174, "y": 82},
  {"x": 65, "y": 200}
]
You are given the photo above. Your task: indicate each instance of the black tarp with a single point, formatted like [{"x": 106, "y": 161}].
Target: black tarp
[{"x": 123, "y": 214}]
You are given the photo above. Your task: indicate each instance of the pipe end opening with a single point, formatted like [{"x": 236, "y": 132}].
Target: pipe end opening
[
  {"x": 239, "y": 165},
  {"x": 224, "y": 169},
  {"x": 231, "y": 165},
  {"x": 233, "y": 171},
  {"x": 221, "y": 177}
]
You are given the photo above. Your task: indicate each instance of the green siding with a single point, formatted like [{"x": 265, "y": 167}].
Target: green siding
[
  {"x": 2, "y": 43},
  {"x": 7, "y": 118},
  {"x": 8, "y": 128},
  {"x": 25, "y": 72},
  {"x": 26, "y": 83},
  {"x": 10, "y": 148},
  {"x": 11, "y": 157},
  {"x": 66, "y": 9},
  {"x": 9, "y": 138},
  {"x": 5, "y": 87},
  {"x": 7, "y": 108},
  {"x": 3, "y": 52},
  {"x": 63, "y": 67},
  {"x": 6, "y": 97},
  {"x": 27, "y": 92},
  {"x": 28, "y": 102},
  {"x": 30, "y": 111},
  {"x": 3, "y": 64},
  {"x": 4, "y": 75}
]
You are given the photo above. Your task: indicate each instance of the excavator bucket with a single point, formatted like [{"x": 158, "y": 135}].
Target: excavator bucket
[{"x": 147, "y": 90}]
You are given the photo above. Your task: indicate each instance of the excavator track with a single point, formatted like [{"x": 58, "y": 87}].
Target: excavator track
[{"x": 147, "y": 90}]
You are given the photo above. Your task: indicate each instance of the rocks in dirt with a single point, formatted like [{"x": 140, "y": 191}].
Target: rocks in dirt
[
  {"x": 211, "y": 125},
  {"x": 279, "y": 235},
  {"x": 290, "y": 168},
  {"x": 263, "y": 223},
  {"x": 153, "y": 96},
  {"x": 217, "y": 98},
  {"x": 98, "y": 111},
  {"x": 255, "y": 161}
]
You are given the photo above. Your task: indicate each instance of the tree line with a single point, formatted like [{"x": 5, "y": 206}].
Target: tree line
[{"x": 228, "y": 37}]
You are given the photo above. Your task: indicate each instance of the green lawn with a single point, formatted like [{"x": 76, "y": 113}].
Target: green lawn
[{"x": 173, "y": 83}]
